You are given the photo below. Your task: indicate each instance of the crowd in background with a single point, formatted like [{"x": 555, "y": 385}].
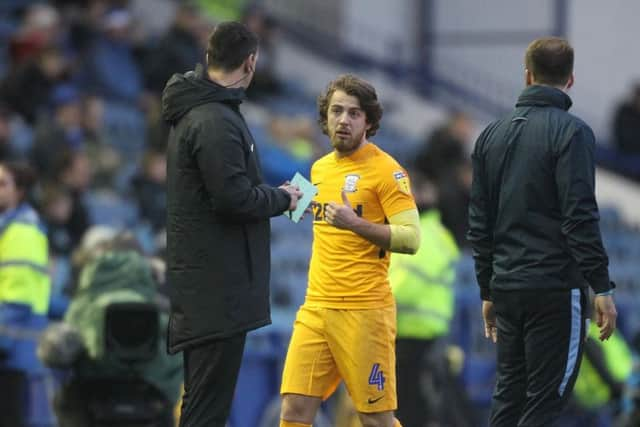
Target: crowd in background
[{"x": 75, "y": 73}]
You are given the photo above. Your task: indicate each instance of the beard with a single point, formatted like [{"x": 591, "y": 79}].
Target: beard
[{"x": 346, "y": 144}]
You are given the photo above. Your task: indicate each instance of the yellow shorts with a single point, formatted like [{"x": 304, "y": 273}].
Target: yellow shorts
[{"x": 357, "y": 346}]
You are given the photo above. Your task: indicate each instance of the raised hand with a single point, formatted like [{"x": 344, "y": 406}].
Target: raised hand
[{"x": 341, "y": 215}]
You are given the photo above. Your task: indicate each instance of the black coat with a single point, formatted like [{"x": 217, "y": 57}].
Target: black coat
[
  {"x": 533, "y": 217},
  {"x": 218, "y": 210}
]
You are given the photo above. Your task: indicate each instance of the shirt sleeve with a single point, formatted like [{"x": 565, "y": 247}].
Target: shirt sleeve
[
  {"x": 480, "y": 234},
  {"x": 575, "y": 182},
  {"x": 221, "y": 158},
  {"x": 394, "y": 191}
]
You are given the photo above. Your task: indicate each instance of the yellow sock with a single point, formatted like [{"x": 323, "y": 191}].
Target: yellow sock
[
  {"x": 396, "y": 423},
  {"x": 284, "y": 423}
]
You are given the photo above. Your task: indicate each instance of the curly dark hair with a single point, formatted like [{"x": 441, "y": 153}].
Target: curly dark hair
[{"x": 353, "y": 86}]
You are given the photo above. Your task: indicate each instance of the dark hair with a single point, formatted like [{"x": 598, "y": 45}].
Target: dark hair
[
  {"x": 230, "y": 43},
  {"x": 23, "y": 175},
  {"x": 550, "y": 60},
  {"x": 352, "y": 86}
]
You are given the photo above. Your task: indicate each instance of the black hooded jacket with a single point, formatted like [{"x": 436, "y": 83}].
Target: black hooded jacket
[
  {"x": 218, "y": 210},
  {"x": 533, "y": 217}
]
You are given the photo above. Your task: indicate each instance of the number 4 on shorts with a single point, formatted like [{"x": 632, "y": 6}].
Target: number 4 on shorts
[{"x": 377, "y": 377}]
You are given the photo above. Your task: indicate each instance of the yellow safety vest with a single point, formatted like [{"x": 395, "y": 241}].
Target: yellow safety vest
[
  {"x": 423, "y": 283},
  {"x": 24, "y": 274},
  {"x": 590, "y": 390}
]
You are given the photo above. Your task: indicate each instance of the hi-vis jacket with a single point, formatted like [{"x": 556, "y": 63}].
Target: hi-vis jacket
[
  {"x": 25, "y": 285},
  {"x": 423, "y": 283}
]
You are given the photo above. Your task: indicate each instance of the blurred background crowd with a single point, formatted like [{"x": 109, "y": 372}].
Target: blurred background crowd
[{"x": 80, "y": 87}]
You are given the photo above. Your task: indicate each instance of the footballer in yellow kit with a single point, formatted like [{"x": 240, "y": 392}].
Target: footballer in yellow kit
[{"x": 346, "y": 328}]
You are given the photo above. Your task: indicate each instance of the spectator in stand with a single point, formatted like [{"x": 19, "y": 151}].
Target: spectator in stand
[
  {"x": 112, "y": 70},
  {"x": 444, "y": 160},
  {"x": 27, "y": 86},
  {"x": 56, "y": 204},
  {"x": 150, "y": 189},
  {"x": 103, "y": 158},
  {"x": 60, "y": 132},
  {"x": 40, "y": 28},
  {"x": 71, "y": 171},
  {"x": 265, "y": 81},
  {"x": 177, "y": 52},
  {"x": 292, "y": 145},
  {"x": 6, "y": 150},
  {"x": 626, "y": 127}
]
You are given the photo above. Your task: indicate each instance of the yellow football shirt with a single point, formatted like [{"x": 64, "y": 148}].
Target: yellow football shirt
[{"x": 346, "y": 270}]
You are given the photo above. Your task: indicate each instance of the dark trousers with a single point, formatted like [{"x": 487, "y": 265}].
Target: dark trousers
[
  {"x": 13, "y": 392},
  {"x": 540, "y": 341},
  {"x": 210, "y": 376},
  {"x": 428, "y": 392},
  {"x": 414, "y": 406}
]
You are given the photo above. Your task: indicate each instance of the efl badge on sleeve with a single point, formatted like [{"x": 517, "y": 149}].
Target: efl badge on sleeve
[
  {"x": 402, "y": 179},
  {"x": 350, "y": 182}
]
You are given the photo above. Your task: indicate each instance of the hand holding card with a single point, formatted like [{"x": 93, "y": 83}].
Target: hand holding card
[{"x": 308, "y": 190}]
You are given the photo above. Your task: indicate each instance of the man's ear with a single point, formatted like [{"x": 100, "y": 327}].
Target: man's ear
[
  {"x": 251, "y": 63},
  {"x": 571, "y": 81},
  {"x": 528, "y": 77}
]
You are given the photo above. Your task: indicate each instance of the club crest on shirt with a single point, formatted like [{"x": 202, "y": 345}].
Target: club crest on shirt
[
  {"x": 402, "y": 179},
  {"x": 350, "y": 183}
]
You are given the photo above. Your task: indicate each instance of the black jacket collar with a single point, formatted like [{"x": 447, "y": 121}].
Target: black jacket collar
[
  {"x": 544, "y": 96},
  {"x": 186, "y": 91}
]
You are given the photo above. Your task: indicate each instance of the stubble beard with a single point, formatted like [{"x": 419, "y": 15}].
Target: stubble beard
[{"x": 347, "y": 145}]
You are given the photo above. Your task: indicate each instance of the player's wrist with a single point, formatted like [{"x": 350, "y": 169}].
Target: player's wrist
[{"x": 356, "y": 224}]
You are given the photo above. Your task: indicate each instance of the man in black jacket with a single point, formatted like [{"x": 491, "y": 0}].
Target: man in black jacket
[
  {"x": 217, "y": 223},
  {"x": 533, "y": 227}
]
